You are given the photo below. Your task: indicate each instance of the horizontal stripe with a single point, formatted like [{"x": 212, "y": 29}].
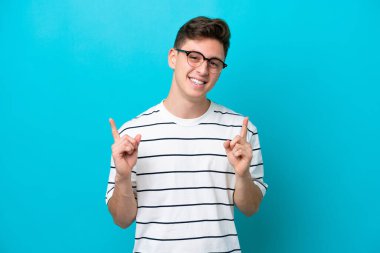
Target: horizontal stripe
[
  {"x": 133, "y": 186},
  {"x": 184, "y": 139},
  {"x": 191, "y": 171},
  {"x": 110, "y": 189},
  {"x": 186, "y": 188},
  {"x": 188, "y": 171},
  {"x": 230, "y": 113},
  {"x": 154, "y": 124},
  {"x": 135, "y": 198},
  {"x": 217, "y": 124},
  {"x": 181, "y": 222},
  {"x": 185, "y": 171},
  {"x": 198, "y": 204},
  {"x": 146, "y": 114},
  {"x": 260, "y": 183},
  {"x": 234, "y": 250},
  {"x": 181, "y": 239},
  {"x": 114, "y": 188},
  {"x": 162, "y": 155},
  {"x": 253, "y": 165}
]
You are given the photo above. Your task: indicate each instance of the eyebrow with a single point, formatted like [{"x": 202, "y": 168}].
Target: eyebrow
[{"x": 212, "y": 57}]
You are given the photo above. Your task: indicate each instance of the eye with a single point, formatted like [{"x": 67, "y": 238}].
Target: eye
[
  {"x": 195, "y": 57},
  {"x": 215, "y": 64}
]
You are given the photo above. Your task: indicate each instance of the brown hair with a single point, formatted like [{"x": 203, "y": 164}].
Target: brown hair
[{"x": 204, "y": 27}]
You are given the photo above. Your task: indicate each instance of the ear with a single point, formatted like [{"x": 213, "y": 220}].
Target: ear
[{"x": 172, "y": 58}]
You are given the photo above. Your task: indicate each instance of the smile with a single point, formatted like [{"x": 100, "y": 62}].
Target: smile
[{"x": 197, "y": 82}]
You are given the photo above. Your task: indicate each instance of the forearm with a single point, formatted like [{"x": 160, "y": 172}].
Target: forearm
[
  {"x": 247, "y": 196},
  {"x": 122, "y": 205}
]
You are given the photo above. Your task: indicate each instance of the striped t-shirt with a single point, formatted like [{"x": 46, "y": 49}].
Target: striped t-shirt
[{"x": 183, "y": 182}]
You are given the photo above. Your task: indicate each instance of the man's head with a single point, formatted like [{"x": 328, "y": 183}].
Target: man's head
[
  {"x": 198, "y": 58},
  {"x": 204, "y": 28}
]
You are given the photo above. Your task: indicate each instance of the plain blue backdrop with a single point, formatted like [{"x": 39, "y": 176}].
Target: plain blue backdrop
[{"x": 305, "y": 72}]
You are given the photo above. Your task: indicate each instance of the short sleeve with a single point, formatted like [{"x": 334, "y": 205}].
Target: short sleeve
[
  {"x": 111, "y": 181},
  {"x": 256, "y": 168}
]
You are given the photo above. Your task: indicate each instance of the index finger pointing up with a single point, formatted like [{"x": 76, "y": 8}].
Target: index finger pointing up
[
  {"x": 244, "y": 129},
  {"x": 115, "y": 133}
]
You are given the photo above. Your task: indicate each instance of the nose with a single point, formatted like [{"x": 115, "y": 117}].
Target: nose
[{"x": 203, "y": 68}]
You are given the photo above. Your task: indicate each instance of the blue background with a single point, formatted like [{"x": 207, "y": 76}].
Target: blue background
[{"x": 305, "y": 72}]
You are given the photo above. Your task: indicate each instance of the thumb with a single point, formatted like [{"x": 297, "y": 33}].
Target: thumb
[
  {"x": 226, "y": 145},
  {"x": 138, "y": 139}
]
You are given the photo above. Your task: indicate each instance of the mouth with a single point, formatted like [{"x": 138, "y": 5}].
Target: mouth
[{"x": 197, "y": 82}]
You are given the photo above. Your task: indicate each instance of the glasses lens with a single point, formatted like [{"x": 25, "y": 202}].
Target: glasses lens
[
  {"x": 215, "y": 65},
  {"x": 194, "y": 59}
]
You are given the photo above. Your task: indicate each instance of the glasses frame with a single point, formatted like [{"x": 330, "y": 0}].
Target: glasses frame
[{"x": 204, "y": 58}]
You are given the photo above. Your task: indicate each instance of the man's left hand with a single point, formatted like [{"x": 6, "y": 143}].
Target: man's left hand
[{"x": 239, "y": 151}]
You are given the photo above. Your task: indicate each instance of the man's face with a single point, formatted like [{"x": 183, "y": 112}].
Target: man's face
[{"x": 193, "y": 83}]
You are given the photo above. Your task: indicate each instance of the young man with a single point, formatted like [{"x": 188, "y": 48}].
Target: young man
[{"x": 179, "y": 168}]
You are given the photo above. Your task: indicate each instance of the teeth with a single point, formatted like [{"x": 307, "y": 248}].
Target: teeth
[{"x": 196, "y": 81}]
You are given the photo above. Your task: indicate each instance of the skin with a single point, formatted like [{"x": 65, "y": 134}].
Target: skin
[
  {"x": 185, "y": 100},
  {"x": 122, "y": 205},
  {"x": 247, "y": 196}
]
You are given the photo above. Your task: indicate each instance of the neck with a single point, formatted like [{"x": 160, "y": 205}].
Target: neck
[{"x": 186, "y": 109}]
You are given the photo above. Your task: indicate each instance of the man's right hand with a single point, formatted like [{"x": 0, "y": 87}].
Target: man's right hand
[{"x": 124, "y": 151}]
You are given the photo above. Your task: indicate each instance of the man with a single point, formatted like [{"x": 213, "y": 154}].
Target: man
[{"x": 179, "y": 168}]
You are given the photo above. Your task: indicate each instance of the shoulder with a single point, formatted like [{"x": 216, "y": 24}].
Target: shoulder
[
  {"x": 148, "y": 116},
  {"x": 225, "y": 115},
  {"x": 227, "y": 112}
]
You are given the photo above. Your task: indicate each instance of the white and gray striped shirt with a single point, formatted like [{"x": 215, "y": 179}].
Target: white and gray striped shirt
[{"x": 183, "y": 182}]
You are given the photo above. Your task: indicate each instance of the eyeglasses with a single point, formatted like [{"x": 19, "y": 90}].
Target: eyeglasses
[{"x": 196, "y": 59}]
